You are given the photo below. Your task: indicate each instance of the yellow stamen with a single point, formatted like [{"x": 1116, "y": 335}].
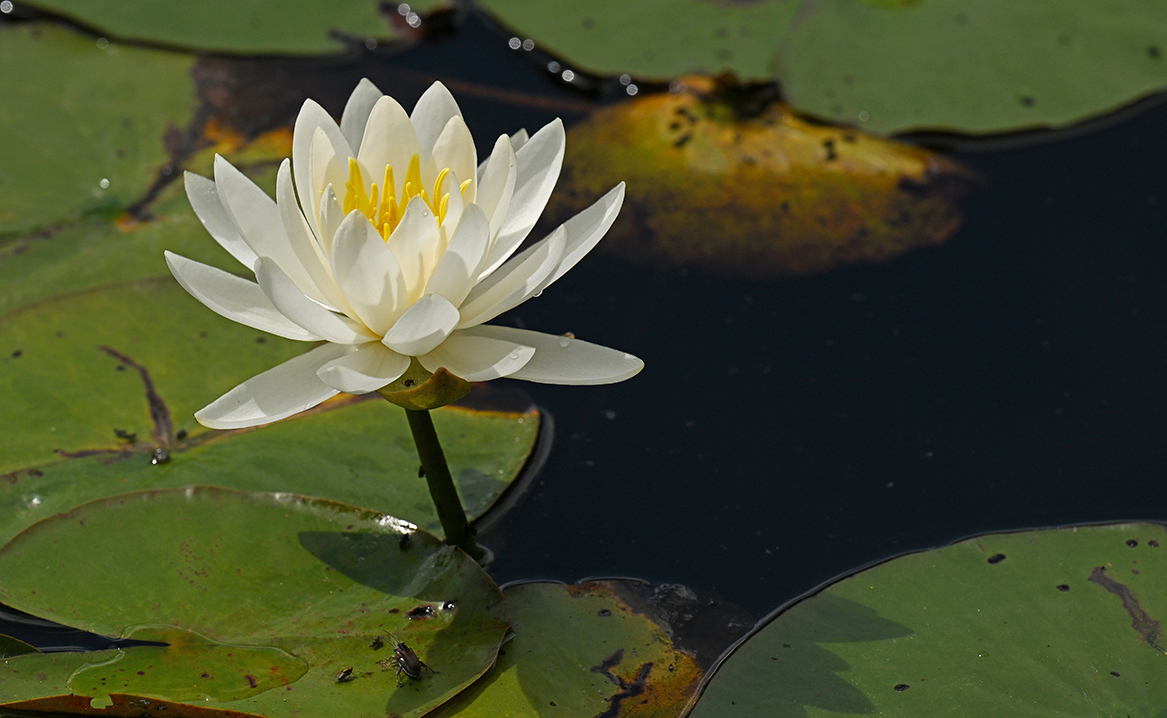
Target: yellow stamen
[
  {"x": 380, "y": 203},
  {"x": 462, "y": 187}
]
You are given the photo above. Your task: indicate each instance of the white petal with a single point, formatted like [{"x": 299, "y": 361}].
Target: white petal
[
  {"x": 519, "y": 139},
  {"x": 312, "y": 116},
  {"x": 331, "y": 215},
  {"x": 457, "y": 270},
  {"x": 389, "y": 140},
  {"x": 369, "y": 368},
  {"x": 539, "y": 162},
  {"x": 433, "y": 110},
  {"x": 585, "y": 230},
  {"x": 326, "y": 167},
  {"x": 454, "y": 148},
  {"x": 356, "y": 112},
  {"x": 563, "y": 360},
  {"x": 368, "y": 273},
  {"x": 204, "y": 199},
  {"x": 423, "y": 326},
  {"x": 275, "y": 394},
  {"x": 415, "y": 244},
  {"x": 305, "y": 245},
  {"x": 292, "y": 303},
  {"x": 258, "y": 219},
  {"x": 233, "y": 297},
  {"x": 474, "y": 357},
  {"x": 513, "y": 283},
  {"x": 496, "y": 185},
  {"x": 454, "y": 208}
]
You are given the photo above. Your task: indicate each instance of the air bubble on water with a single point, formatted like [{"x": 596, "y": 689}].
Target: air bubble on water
[
  {"x": 104, "y": 183},
  {"x": 528, "y": 45},
  {"x": 632, "y": 89},
  {"x": 514, "y": 43},
  {"x": 102, "y": 43},
  {"x": 6, "y": 7},
  {"x": 554, "y": 66}
]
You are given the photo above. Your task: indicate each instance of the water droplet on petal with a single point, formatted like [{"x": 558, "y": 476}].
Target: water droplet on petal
[{"x": 564, "y": 341}]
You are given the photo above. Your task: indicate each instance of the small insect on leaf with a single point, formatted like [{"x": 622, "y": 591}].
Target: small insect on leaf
[
  {"x": 376, "y": 643},
  {"x": 345, "y": 675},
  {"x": 405, "y": 661}
]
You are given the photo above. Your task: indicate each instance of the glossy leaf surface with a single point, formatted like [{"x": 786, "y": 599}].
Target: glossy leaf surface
[
  {"x": 264, "y": 599},
  {"x": 251, "y": 26},
  {"x": 1039, "y": 623},
  {"x": 888, "y": 66},
  {"x": 81, "y": 135}
]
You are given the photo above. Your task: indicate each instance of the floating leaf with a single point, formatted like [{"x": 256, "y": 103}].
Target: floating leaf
[
  {"x": 97, "y": 383},
  {"x": 581, "y": 650},
  {"x": 84, "y": 123},
  {"x": 263, "y": 599},
  {"x": 1038, "y": 623},
  {"x": 247, "y": 26},
  {"x": 764, "y": 194},
  {"x": 889, "y": 65}
]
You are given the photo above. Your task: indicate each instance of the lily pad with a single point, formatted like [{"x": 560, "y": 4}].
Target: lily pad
[
  {"x": 1038, "y": 623},
  {"x": 249, "y": 26},
  {"x": 84, "y": 123},
  {"x": 97, "y": 383},
  {"x": 580, "y": 650},
  {"x": 772, "y": 194},
  {"x": 263, "y": 599},
  {"x": 887, "y": 65}
]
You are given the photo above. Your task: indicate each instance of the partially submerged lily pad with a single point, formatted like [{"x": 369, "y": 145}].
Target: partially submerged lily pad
[
  {"x": 585, "y": 650},
  {"x": 264, "y": 599},
  {"x": 1040, "y": 623},
  {"x": 722, "y": 179}
]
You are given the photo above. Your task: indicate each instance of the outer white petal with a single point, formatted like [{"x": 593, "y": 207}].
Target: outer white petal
[
  {"x": 513, "y": 282},
  {"x": 389, "y": 139},
  {"x": 305, "y": 245},
  {"x": 457, "y": 270},
  {"x": 275, "y": 394},
  {"x": 423, "y": 326},
  {"x": 519, "y": 139},
  {"x": 356, "y": 113},
  {"x": 496, "y": 183},
  {"x": 584, "y": 231},
  {"x": 204, "y": 199},
  {"x": 233, "y": 297},
  {"x": 259, "y": 222},
  {"x": 415, "y": 244},
  {"x": 368, "y": 273},
  {"x": 312, "y": 116},
  {"x": 539, "y": 161},
  {"x": 454, "y": 148},
  {"x": 475, "y": 357},
  {"x": 563, "y": 360},
  {"x": 433, "y": 110},
  {"x": 369, "y": 368},
  {"x": 290, "y": 302}
]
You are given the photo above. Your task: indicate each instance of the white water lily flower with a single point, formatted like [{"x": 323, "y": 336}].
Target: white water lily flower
[{"x": 400, "y": 246}]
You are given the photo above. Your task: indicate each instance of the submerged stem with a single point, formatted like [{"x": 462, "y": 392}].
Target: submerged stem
[{"x": 458, "y": 530}]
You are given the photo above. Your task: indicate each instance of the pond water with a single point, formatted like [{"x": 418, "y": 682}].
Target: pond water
[{"x": 788, "y": 431}]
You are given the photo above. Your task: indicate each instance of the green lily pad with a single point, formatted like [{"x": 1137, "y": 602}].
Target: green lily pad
[
  {"x": 10, "y": 646},
  {"x": 889, "y": 66},
  {"x": 1038, "y": 623},
  {"x": 581, "y": 650},
  {"x": 264, "y": 600},
  {"x": 249, "y": 26},
  {"x": 84, "y": 123},
  {"x": 95, "y": 383}
]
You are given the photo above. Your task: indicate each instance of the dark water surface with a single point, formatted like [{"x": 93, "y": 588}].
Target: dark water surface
[{"x": 785, "y": 432}]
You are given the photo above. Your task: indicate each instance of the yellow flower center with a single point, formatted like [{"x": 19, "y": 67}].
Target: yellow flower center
[{"x": 381, "y": 204}]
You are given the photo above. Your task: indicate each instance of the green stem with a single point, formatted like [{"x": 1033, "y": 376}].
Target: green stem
[{"x": 458, "y": 530}]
